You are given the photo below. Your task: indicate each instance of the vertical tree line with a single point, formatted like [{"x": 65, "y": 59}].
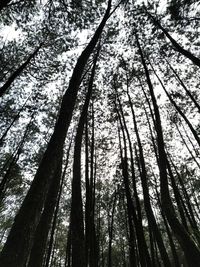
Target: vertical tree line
[{"x": 123, "y": 189}]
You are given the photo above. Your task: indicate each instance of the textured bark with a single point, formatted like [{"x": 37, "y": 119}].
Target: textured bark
[{"x": 19, "y": 242}]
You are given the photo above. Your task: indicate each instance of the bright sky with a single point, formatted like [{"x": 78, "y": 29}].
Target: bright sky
[{"x": 11, "y": 32}]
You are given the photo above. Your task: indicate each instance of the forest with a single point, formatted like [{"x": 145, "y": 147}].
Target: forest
[{"x": 99, "y": 133}]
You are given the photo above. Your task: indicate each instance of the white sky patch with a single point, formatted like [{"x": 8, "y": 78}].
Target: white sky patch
[{"x": 10, "y": 33}]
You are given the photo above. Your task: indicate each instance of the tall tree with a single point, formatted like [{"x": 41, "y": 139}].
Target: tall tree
[
  {"x": 17, "y": 247},
  {"x": 190, "y": 249},
  {"x": 77, "y": 224}
]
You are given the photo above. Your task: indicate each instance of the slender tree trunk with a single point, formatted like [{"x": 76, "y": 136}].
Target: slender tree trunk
[
  {"x": 17, "y": 72},
  {"x": 177, "y": 47},
  {"x": 169, "y": 234},
  {"x": 90, "y": 232},
  {"x": 150, "y": 215},
  {"x": 16, "y": 117},
  {"x": 87, "y": 202},
  {"x": 68, "y": 247},
  {"x": 78, "y": 239},
  {"x": 184, "y": 86},
  {"x": 124, "y": 164},
  {"x": 142, "y": 247},
  {"x": 110, "y": 230},
  {"x": 177, "y": 198},
  {"x": 178, "y": 109},
  {"x": 191, "y": 251},
  {"x": 93, "y": 242},
  {"x": 189, "y": 139},
  {"x": 19, "y": 242},
  {"x": 186, "y": 196},
  {"x": 186, "y": 145},
  {"x": 7, "y": 178}
]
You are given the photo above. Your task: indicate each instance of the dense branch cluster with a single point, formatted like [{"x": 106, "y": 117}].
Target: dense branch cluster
[{"x": 100, "y": 133}]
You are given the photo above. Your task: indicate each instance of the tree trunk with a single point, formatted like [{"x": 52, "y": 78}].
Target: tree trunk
[
  {"x": 192, "y": 253},
  {"x": 18, "y": 71},
  {"x": 124, "y": 164},
  {"x": 186, "y": 145},
  {"x": 41, "y": 235},
  {"x": 19, "y": 242},
  {"x": 78, "y": 239},
  {"x": 137, "y": 218},
  {"x": 50, "y": 245},
  {"x": 178, "y": 109},
  {"x": 110, "y": 231},
  {"x": 177, "y": 47},
  {"x": 171, "y": 242},
  {"x": 184, "y": 86},
  {"x": 150, "y": 216},
  {"x": 16, "y": 117},
  {"x": 148, "y": 209}
]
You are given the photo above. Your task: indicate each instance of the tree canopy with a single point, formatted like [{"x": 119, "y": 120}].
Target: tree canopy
[{"x": 100, "y": 133}]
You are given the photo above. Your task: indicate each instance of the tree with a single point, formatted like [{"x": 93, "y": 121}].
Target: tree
[
  {"x": 99, "y": 162},
  {"x": 21, "y": 229}
]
